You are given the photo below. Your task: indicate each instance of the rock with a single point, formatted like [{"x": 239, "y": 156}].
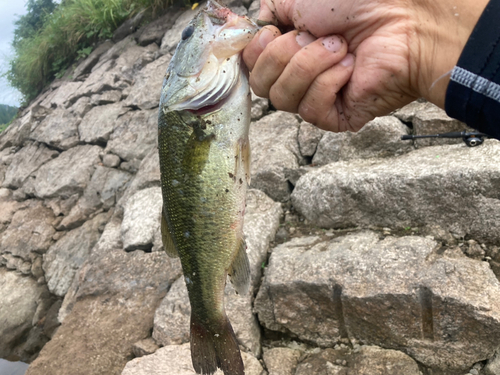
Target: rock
[
  {"x": 309, "y": 137},
  {"x": 432, "y": 120},
  {"x": 452, "y": 186},
  {"x": 67, "y": 255},
  {"x": 27, "y": 161},
  {"x": 55, "y": 178},
  {"x": 379, "y": 138},
  {"x": 135, "y": 135},
  {"x": 493, "y": 366},
  {"x": 145, "y": 93},
  {"x": 81, "y": 107},
  {"x": 254, "y": 9},
  {"x": 111, "y": 161},
  {"x": 99, "y": 122},
  {"x": 58, "y": 130},
  {"x": 114, "y": 52},
  {"x": 19, "y": 297},
  {"x": 110, "y": 304},
  {"x": 274, "y": 147},
  {"x": 281, "y": 361},
  {"x": 141, "y": 219},
  {"x": 176, "y": 360},
  {"x": 128, "y": 27},
  {"x": 107, "y": 97},
  {"x": 86, "y": 65},
  {"x": 173, "y": 36},
  {"x": 144, "y": 347},
  {"x": 259, "y": 107},
  {"x": 438, "y": 307},
  {"x": 154, "y": 31},
  {"x": 8, "y": 208},
  {"x": 29, "y": 231},
  {"x": 370, "y": 360},
  {"x": 408, "y": 112},
  {"x": 59, "y": 97}
]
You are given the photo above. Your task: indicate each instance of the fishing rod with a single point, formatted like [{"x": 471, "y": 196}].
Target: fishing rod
[{"x": 471, "y": 139}]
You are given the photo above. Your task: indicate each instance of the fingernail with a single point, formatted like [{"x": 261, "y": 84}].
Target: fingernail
[
  {"x": 332, "y": 43},
  {"x": 304, "y": 38},
  {"x": 266, "y": 36},
  {"x": 348, "y": 60}
]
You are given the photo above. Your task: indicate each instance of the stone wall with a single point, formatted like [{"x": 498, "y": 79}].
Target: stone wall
[{"x": 369, "y": 255}]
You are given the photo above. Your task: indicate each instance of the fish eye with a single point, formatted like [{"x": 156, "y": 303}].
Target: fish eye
[{"x": 187, "y": 32}]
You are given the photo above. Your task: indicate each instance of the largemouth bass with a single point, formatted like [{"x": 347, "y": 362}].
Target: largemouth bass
[{"x": 203, "y": 126}]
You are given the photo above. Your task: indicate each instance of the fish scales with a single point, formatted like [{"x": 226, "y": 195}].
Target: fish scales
[{"x": 203, "y": 124}]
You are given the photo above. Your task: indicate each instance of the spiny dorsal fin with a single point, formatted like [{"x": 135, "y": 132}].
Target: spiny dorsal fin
[
  {"x": 168, "y": 244},
  {"x": 239, "y": 272}
]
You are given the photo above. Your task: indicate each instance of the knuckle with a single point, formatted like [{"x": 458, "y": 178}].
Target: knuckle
[
  {"x": 257, "y": 86},
  {"x": 303, "y": 67}
]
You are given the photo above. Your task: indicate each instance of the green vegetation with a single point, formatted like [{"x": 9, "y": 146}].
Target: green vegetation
[
  {"x": 7, "y": 114},
  {"x": 52, "y": 36}
]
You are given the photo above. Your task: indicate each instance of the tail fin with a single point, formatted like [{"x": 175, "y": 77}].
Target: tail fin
[{"x": 215, "y": 347}]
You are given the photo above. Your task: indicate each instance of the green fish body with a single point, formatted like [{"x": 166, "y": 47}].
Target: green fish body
[{"x": 203, "y": 120}]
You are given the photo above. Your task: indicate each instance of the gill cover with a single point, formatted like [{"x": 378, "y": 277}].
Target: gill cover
[{"x": 206, "y": 64}]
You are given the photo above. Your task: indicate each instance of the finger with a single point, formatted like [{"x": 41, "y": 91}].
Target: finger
[
  {"x": 322, "y": 105},
  {"x": 273, "y": 60},
  {"x": 276, "y": 14},
  {"x": 302, "y": 70},
  {"x": 253, "y": 50}
]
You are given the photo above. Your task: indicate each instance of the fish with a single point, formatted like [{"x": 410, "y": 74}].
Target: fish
[{"x": 203, "y": 124}]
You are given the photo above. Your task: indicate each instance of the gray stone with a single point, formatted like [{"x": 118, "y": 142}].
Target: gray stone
[
  {"x": 59, "y": 130},
  {"x": 173, "y": 36},
  {"x": 274, "y": 147},
  {"x": 144, "y": 347},
  {"x": 67, "y": 255},
  {"x": 106, "y": 77},
  {"x": 110, "y": 304},
  {"x": 407, "y": 113},
  {"x": 145, "y": 93},
  {"x": 141, "y": 219},
  {"x": 493, "y": 366},
  {"x": 111, "y": 161},
  {"x": 136, "y": 133},
  {"x": 99, "y": 123},
  {"x": 27, "y": 161},
  {"x": 281, "y": 361},
  {"x": 61, "y": 96},
  {"x": 8, "y": 207},
  {"x": 176, "y": 360},
  {"x": 30, "y": 230},
  {"x": 101, "y": 193},
  {"x": 86, "y": 65},
  {"x": 55, "y": 179},
  {"x": 128, "y": 27},
  {"x": 153, "y": 32},
  {"x": 107, "y": 97},
  {"x": 438, "y": 307},
  {"x": 259, "y": 107},
  {"x": 254, "y": 9},
  {"x": 17, "y": 132},
  {"x": 19, "y": 297},
  {"x": 309, "y": 137},
  {"x": 431, "y": 119},
  {"x": 452, "y": 186},
  {"x": 379, "y": 138},
  {"x": 369, "y": 360},
  {"x": 81, "y": 107},
  {"x": 114, "y": 52}
]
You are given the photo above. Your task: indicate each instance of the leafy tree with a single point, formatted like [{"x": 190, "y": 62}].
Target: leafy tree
[
  {"x": 28, "y": 24},
  {"x": 7, "y": 113}
]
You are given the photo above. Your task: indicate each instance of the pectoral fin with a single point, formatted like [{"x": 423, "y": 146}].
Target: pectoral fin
[
  {"x": 168, "y": 244},
  {"x": 239, "y": 272}
]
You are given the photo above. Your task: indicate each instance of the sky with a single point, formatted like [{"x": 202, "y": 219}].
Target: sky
[{"x": 8, "y": 11}]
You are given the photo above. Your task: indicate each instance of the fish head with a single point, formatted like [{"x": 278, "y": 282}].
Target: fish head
[{"x": 206, "y": 64}]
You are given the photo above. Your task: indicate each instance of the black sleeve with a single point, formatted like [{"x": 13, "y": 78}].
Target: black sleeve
[{"x": 473, "y": 94}]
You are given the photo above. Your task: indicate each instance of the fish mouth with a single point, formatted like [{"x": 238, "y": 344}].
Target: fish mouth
[{"x": 217, "y": 13}]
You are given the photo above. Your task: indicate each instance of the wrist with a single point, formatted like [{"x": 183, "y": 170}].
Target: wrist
[{"x": 441, "y": 32}]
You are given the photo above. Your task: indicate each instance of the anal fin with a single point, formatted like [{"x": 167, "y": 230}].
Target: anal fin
[
  {"x": 239, "y": 272},
  {"x": 168, "y": 243}
]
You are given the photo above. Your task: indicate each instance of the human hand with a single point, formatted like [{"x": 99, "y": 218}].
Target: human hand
[{"x": 396, "y": 51}]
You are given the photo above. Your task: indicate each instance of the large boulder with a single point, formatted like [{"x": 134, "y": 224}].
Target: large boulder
[
  {"x": 452, "y": 186},
  {"x": 440, "y": 307}
]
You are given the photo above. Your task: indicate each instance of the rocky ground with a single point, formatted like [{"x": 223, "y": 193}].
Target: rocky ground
[{"x": 369, "y": 255}]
